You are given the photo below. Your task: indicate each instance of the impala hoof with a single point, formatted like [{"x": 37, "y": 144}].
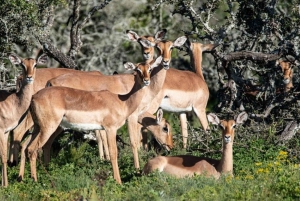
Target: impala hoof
[
  {"x": 20, "y": 179},
  {"x": 12, "y": 164}
]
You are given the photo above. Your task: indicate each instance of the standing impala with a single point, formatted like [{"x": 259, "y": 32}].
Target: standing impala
[
  {"x": 42, "y": 76},
  {"x": 155, "y": 86},
  {"x": 65, "y": 107},
  {"x": 182, "y": 91},
  {"x": 118, "y": 84},
  {"x": 14, "y": 105},
  {"x": 185, "y": 165}
]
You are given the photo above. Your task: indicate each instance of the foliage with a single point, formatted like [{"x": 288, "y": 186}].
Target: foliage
[
  {"x": 265, "y": 167},
  {"x": 262, "y": 171}
]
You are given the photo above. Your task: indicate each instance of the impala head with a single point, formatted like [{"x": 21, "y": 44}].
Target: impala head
[
  {"x": 287, "y": 71},
  {"x": 227, "y": 126},
  {"x": 28, "y": 65},
  {"x": 198, "y": 48},
  {"x": 165, "y": 49},
  {"x": 144, "y": 69},
  {"x": 165, "y": 138},
  {"x": 147, "y": 42}
]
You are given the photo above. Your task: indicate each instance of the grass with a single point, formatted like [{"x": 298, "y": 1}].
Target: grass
[{"x": 262, "y": 169}]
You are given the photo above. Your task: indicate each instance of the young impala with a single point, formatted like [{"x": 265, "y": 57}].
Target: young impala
[
  {"x": 182, "y": 91},
  {"x": 14, "y": 105},
  {"x": 185, "y": 165}
]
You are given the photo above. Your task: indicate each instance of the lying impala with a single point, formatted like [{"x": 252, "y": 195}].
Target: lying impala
[
  {"x": 65, "y": 107},
  {"x": 182, "y": 91},
  {"x": 14, "y": 105},
  {"x": 185, "y": 165}
]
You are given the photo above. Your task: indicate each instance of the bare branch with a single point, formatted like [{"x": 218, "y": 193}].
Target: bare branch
[
  {"x": 254, "y": 56},
  {"x": 53, "y": 52}
]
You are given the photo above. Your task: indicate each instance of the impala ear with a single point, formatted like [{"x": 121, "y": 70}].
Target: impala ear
[
  {"x": 159, "y": 115},
  {"x": 209, "y": 47},
  {"x": 129, "y": 66},
  {"x": 160, "y": 35},
  {"x": 188, "y": 44},
  {"x": 14, "y": 59},
  {"x": 42, "y": 59},
  {"x": 146, "y": 43},
  {"x": 241, "y": 118},
  {"x": 179, "y": 41},
  {"x": 214, "y": 119},
  {"x": 157, "y": 62},
  {"x": 132, "y": 35}
]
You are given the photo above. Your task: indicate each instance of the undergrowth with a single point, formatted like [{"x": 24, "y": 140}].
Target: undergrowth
[{"x": 263, "y": 169}]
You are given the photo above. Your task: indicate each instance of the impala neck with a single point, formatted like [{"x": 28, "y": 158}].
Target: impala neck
[
  {"x": 158, "y": 76},
  {"x": 196, "y": 59},
  {"x": 23, "y": 98},
  {"x": 226, "y": 162},
  {"x": 134, "y": 97}
]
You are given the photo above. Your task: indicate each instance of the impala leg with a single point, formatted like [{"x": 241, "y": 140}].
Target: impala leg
[
  {"x": 18, "y": 134},
  {"x": 140, "y": 133},
  {"x": 12, "y": 147},
  {"x": 48, "y": 145},
  {"x": 100, "y": 144},
  {"x": 105, "y": 144},
  {"x": 111, "y": 134},
  {"x": 201, "y": 114},
  {"x": 184, "y": 129},
  {"x": 24, "y": 146},
  {"x": 145, "y": 138},
  {"x": 41, "y": 136},
  {"x": 3, "y": 152},
  {"x": 134, "y": 135}
]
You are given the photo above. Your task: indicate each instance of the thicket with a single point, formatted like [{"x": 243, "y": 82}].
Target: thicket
[{"x": 252, "y": 35}]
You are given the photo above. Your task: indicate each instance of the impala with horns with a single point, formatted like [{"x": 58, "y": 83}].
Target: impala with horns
[
  {"x": 14, "y": 105},
  {"x": 183, "y": 91},
  {"x": 187, "y": 165},
  {"x": 54, "y": 107}
]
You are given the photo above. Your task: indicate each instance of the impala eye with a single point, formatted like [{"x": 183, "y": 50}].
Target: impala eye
[
  {"x": 234, "y": 126},
  {"x": 165, "y": 129}
]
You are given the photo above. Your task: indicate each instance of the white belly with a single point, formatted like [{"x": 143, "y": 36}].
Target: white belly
[
  {"x": 168, "y": 106},
  {"x": 80, "y": 126}
]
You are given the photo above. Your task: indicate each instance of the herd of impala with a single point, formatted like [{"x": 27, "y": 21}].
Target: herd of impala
[{"x": 53, "y": 99}]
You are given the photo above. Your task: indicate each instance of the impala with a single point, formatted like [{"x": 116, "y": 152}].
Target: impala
[
  {"x": 14, "y": 105},
  {"x": 54, "y": 107},
  {"x": 287, "y": 71},
  {"x": 154, "y": 88},
  {"x": 183, "y": 91},
  {"x": 147, "y": 51},
  {"x": 159, "y": 127},
  {"x": 42, "y": 76},
  {"x": 287, "y": 75},
  {"x": 185, "y": 165}
]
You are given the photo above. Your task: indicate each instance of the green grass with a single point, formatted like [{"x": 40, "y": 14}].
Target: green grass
[{"x": 262, "y": 169}]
